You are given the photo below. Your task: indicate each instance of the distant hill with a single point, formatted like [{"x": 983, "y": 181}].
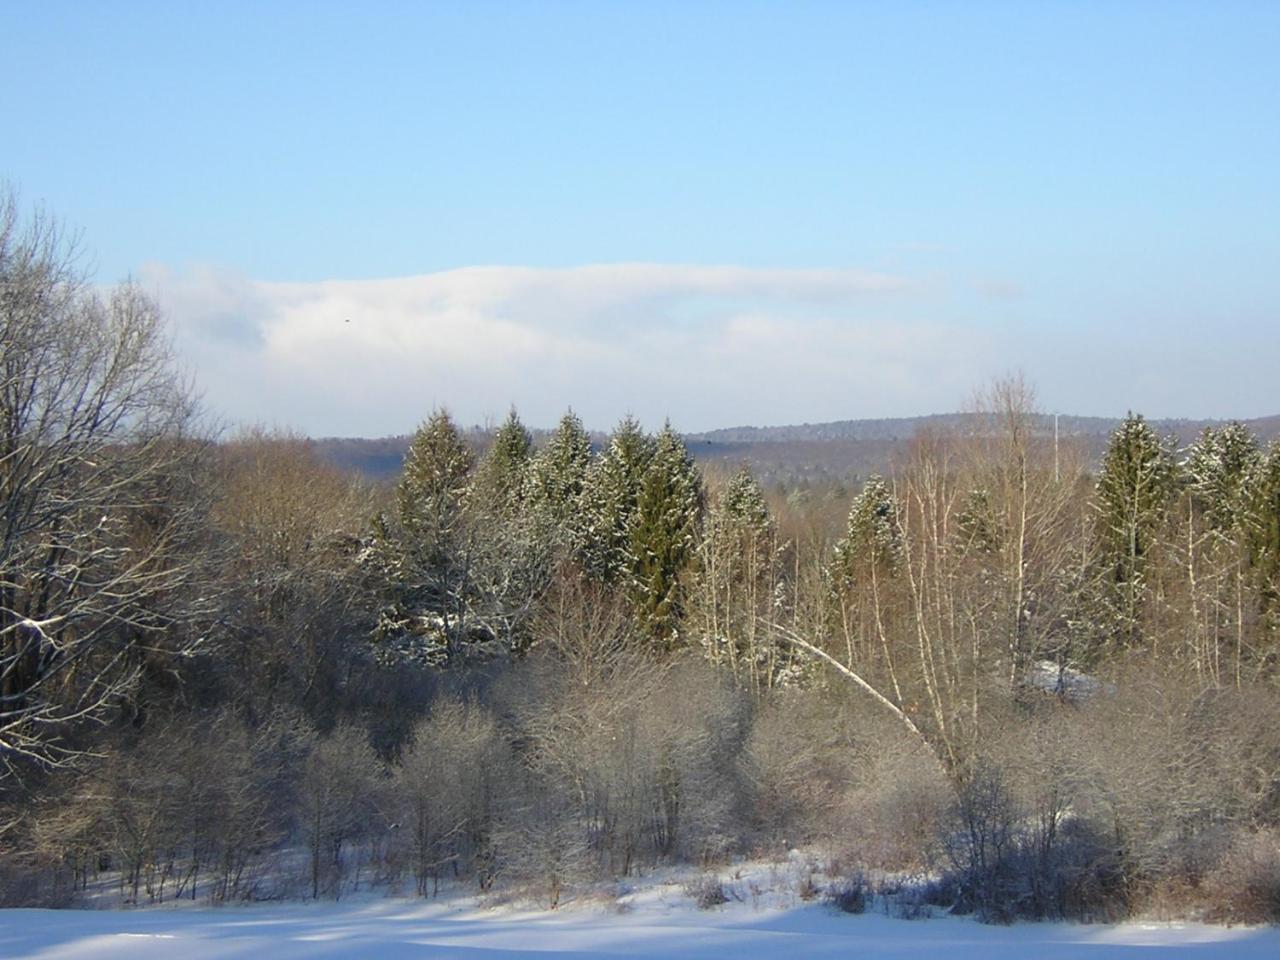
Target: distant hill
[
  {"x": 842, "y": 451},
  {"x": 381, "y": 458},
  {"x": 845, "y": 451},
  {"x": 902, "y": 428}
]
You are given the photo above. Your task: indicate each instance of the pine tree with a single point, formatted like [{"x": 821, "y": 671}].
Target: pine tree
[
  {"x": 1261, "y": 519},
  {"x": 557, "y": 477},
  {"x": 865, "y": 562},
  {"x": 425, "y": 555},
  {"x": 871, "y": 532},
  {"x": 1217, "y": 466},
  {"x": 738, "y": 573},
  {"x": 663, "y": 534},
  {"x": 502, "y": 479},
  {"x": 742, "y": 505},
  {"x": 1212, "y": 544},
  {"x": 432, "y": 491},
  {"x": 613, "y": 488},
  {"x": 1136, "y": 485},
  {"x": 980, "y": 528},
  {"x": 513, "y": 556}
]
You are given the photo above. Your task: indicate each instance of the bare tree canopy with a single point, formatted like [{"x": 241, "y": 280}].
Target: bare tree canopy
[{"x": 97, "y": 478}]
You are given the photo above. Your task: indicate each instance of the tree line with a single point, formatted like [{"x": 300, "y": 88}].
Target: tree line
[{"x": 1044, "y": 685}]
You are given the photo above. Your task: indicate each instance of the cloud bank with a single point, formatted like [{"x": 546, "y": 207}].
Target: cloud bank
[{"x": 705, "y": 346}]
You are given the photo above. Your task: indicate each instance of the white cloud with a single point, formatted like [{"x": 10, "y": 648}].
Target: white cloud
[{"x": 708, "y": 346}]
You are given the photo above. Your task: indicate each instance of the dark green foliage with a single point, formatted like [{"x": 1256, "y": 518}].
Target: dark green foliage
[
  {"x": 743, "y": 505},
  {"x": 423, "y": 557},
  {"x": 663, "y": 532},
  {"x": 431, "y": 489},
  {"x": 1262, "y": 529},
  {"x": 613, "y": 489},
  {"x": 1217, "y": 468},
  {"x": 557, "y": 477},
  {"x": 502, "y": 479},
  {"x": 979, "y": 525},
  {"x": 1136, "y": 485},
  {"x": 738, "y": 572},
  {"x": 871, "y": 535}
]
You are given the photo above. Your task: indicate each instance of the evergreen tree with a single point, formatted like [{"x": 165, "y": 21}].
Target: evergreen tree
[
  {"x": 502, "y": 479},
  {"x": 1212, "y": 540},
  {"x": 425, "y": 555},
  {"x": 431, "y": 494},
  {"x": 738, "y": 573},
  {"x": 743, "y": 507},
  {"x": 1136, "y": 485},
  {"x": 865, "y": 562},
  {"x": 557, "y": 477},
  {"x": 613, "y": 488},
  {"x": 979, "y": 525},
  {"x": 1261, "y": 519},
  {"x": 513, "y": 556},
  {"x": 1217, "y": 466},
  {"x": 871, "y": 533},
  {"x": 663, "y": 534}
]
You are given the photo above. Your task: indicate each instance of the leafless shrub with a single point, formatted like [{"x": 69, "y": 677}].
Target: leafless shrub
[
  {"x": 290, "y": 528},
  {"x": 451, "y": 787},
  {"x": 707, "y": 892},
  {"x": 693, "y": 730},
  {"x": 181, "y": 810},
  {"x": 544, "y": 849},
  {"x": 1245, "y": 886},
  {"x": 849, "y": 894},
  {"x": 642, "y": 747},
  {"x": 912, "y": 901},
  {"x": 1174, "y": 770},
  {"x": 982, "y": 844},
  {"x": 341, "y": 800},
  {"x": 894, "y": 815},
  {"x": 795, "y": 764},
  {"x": 807, "y": 889}
]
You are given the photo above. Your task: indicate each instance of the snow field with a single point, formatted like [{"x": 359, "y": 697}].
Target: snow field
[{"x": 764, "y": 918}]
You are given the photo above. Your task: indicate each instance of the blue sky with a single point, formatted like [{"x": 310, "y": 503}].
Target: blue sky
[{"x": 1088, "y": 192}]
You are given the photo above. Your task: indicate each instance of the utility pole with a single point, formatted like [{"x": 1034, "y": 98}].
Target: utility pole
[{"x": 1055, "y": 449}]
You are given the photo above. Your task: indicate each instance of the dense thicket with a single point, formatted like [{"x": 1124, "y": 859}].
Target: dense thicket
[{"x": 1048, "y": 685}]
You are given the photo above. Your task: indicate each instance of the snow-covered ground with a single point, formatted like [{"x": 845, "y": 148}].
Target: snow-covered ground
[{"x": 655, "y": 918}]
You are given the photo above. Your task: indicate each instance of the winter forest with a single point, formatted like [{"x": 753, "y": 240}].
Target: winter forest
[{"x": 1007, "y": 678}]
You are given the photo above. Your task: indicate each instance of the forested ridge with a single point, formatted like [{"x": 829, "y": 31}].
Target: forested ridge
[
  {"x": 1011, "y": 676},
  {"x": 840, "y": 453}
]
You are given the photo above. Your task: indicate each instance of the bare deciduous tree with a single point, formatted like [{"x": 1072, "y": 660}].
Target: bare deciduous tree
[
  {"x": 291, "y": 527},
  {"x": 99, "y": 517},
  {"x": 451, "y": 785},
  {"x": 341, "y": 798}
]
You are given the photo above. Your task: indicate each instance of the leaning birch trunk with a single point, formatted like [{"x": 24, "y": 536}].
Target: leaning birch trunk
[{"x": 800, "y": 643}]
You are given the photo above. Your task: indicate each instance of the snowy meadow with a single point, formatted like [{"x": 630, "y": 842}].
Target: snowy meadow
[{"x": 655, "y": 919}]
